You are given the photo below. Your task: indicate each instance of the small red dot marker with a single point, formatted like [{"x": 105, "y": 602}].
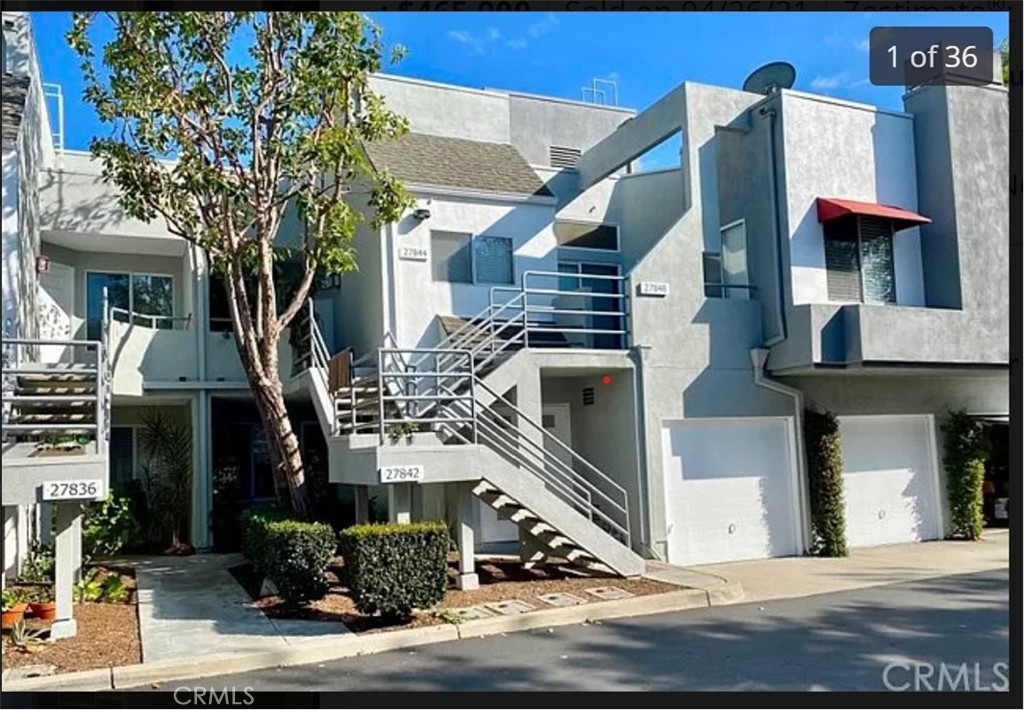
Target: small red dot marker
[{"x": 606, "y": 379}]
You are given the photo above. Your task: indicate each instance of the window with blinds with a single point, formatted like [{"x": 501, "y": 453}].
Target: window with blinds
[
  {"x": 493, "y": 257},
  {"x": 859, "y": 260},
  {"x": 450, "y": 257}
]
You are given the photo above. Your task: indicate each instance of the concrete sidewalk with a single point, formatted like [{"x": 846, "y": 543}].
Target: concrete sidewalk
[
  {"x": 790, "y": 577},
  {"x": 193, "y": 605}
]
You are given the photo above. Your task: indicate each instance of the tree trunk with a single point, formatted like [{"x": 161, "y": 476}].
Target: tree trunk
[{"x": 286, "y": 455}]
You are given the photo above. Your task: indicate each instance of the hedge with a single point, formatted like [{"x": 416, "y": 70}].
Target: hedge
[
  {"x": 825, "y": 483},
  {"x": 393, "y": 569},
  {"x": 290, "y": 553},
  {"x": 964, "y": 461}
]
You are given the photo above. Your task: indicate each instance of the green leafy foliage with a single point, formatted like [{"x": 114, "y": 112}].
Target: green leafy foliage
[
  {"x": 39, "y": 566},
  {"x": 108, "y": 527},
  {"x": 825, "y": 483},
  {"x": 166, "y": 445},
  {"x": 244, "y": 132},
  {"x": 393, "y": 569},
  {"x": 290, "y": 553},
  {"x": 964, "y": 457},
  {"x": 107, "y": 588},
  {"x": 14, "y": 596}
]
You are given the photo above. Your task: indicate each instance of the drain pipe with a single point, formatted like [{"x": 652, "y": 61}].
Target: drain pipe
[
  {"x": 758, "y": 358},
  {"x": 777, "y": 245}
]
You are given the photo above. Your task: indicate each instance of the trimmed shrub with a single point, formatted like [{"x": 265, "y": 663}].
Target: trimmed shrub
[
  {"x": 963, "y": 457},
  {"x": 393, "y": 569},
  {"x": 825, "y": 483},
  {"x": 290, "y": 553}
]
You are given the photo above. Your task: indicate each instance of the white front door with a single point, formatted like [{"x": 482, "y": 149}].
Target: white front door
[
  {"x": 730, "y": 489},
  {"x": 56, "y": 307},
  {"x": 889, "y": 481}
]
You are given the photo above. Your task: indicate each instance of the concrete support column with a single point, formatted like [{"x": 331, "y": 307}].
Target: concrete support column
[
  {"x": 10, "y": 549},
  {"x": 76, "y": 549},
  {"x": 466, "y": 531},
  {"x": 400, "y": 502},
  {"x": 362, "y": 500},
  {"x": 202, "y": 475},
  {"x": 69, "y": 523}
]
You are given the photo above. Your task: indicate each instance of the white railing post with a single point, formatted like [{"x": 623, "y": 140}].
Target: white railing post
[
  {"x": 100, "y": 400},
  {"x": 380, "y": 393},
  {"x": 472, "y": 397}
]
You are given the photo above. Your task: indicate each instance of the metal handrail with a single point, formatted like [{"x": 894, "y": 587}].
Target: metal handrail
[{"x": 153, "y": 318}]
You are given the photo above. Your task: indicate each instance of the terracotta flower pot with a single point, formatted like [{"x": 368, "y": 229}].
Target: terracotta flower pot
[
  {"x": 44, "y": 611},
  {"x": 13, "y": 615}
]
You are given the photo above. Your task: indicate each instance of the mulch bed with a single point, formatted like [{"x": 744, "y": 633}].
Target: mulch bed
[
  {"x": 108, "y": 635},
  {"x": 500, "y": 580}
]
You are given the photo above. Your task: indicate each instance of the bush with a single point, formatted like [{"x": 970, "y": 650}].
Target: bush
[
  {"x": 393, "y": 569},
  {"x": 964, "y": 460},
  {"x": 825, "y": 483},
  {"x": 108, "y": 527},
  {"x": 290, "y": 553}
]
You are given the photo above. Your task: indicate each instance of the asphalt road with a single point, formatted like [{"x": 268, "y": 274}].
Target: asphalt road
[{"x": 839, "y": 641}]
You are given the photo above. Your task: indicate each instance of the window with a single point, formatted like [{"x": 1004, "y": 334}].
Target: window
[
  {"x": 122, "y": 458},
  {"x": 451, "y": 259},
  {"x": 492, "y": 258},
  {"x": 725, "y": 272},
  {"x": 583, "y": 235},
  {"x": 859, "y": 260},
  {"x": 712, "y": 265},
  {"x": 146, "y": 296}
]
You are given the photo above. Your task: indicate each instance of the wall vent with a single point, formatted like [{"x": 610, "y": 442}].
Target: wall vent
[
  {"x": 588, "y": 396},
  {"x": 562, "y": 157}
]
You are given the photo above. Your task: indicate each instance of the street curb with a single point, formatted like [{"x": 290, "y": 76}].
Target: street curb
[
  {"x": 315, "y": 651},
  {"x": 725, "y": 594},
  {"x": 96, "y": 679}
]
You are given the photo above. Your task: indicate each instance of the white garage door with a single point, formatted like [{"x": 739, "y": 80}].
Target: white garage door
[
  {"x": 729, "y": 490},
  {"x": 889, "y": 480}
]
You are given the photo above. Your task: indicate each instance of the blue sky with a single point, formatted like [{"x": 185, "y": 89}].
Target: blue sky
[{"x": 647, "y": 54}]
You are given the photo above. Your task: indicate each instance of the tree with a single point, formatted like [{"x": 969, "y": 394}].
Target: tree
[
  {"x": 1004, "y": 53},
  {"x": 221, "y": 123}
]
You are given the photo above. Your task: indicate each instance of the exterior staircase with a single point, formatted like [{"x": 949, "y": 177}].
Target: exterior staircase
[{"x": 569, "y": 507}]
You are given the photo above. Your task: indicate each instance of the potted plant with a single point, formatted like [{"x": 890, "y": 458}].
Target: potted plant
[
  {"x": 42, "y": 604},
  {"x": 15, "y": 604}
]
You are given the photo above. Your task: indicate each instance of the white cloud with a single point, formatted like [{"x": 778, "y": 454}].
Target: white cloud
[
  {"x": 830, "y": 81},
  {"x": 493, "y": 34},
  {"x": 542, "y": 27},
  {"x": 864, "y": 46},
  {"x": 516, "y": 43}
]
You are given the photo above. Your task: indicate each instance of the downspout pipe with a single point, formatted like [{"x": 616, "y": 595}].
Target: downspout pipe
[
  {"x": 758, "y": 358},
  {"x": 770, "y": 113}
]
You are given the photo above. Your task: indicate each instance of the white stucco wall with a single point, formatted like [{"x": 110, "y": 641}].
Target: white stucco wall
[
  {"x": 11, "y": 251},
  {"x": 849, "y": 151},
  {"x": 420, "y": 299}
]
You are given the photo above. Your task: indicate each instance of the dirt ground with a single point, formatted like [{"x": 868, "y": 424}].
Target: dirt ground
[
  {"x": 108, "y": 635},
  {"x": 500, "y": 580}
]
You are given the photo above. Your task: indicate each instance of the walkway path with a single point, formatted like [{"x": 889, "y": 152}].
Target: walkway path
[
  {"x": 193, "y": 605},
  {"x": 788, "y": 577}
]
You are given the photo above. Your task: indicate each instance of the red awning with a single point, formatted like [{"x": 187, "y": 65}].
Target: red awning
[{"x": 830, "y": 208}]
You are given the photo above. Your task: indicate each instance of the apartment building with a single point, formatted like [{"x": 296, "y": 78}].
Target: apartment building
[{"x": 560, "y": 350}]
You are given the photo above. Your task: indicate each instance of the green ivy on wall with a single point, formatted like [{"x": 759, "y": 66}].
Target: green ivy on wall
[
  {"x": 964, "y": 459},
  {"x": 825, "y": 483}
]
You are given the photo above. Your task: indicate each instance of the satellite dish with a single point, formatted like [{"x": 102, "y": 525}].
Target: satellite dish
[{"x": 770, "y": 78}]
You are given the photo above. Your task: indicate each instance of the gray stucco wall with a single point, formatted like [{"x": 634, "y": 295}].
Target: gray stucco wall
[
  {"x": 603, "y": 433},
  {"x": 536, "y": 123},
  {"x": 694, "y": 350},
  {"x": 359, "y": 306},
  {"x": 905, "y": 394}
]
